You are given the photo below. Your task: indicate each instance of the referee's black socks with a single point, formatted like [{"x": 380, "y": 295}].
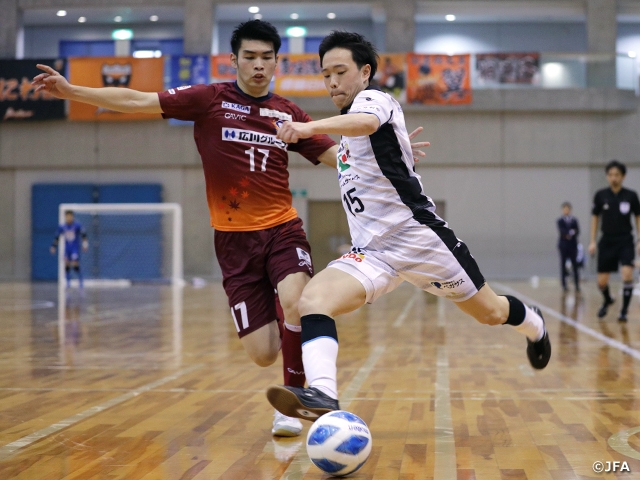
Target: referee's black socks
[
  {"x": 605, "y": 293},
  {"x": 627, "y": 292}
]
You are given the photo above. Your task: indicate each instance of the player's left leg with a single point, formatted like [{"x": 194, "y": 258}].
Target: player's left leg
[
  {"x": 627, "y": 253},
  {"x": 434, "y": 259},
  {"x": 490, "y": 309}
]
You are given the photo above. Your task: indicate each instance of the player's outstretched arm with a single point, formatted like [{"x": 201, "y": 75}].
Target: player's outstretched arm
[
  {"x": 352, "y": 125},
  {"x": 119, "y": 99}
]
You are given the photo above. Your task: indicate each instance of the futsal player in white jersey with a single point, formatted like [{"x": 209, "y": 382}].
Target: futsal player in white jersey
[{"x": 396, "y": 234}]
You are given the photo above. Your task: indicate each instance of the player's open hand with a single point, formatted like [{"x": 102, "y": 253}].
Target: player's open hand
[
  {"x": 52, "y": 250},
  {"x": 592, "y": 248},
  {"x": 291, "y": 132},
  {"x": 415, "y": 147},
  {"x": 52, "y": 82}
]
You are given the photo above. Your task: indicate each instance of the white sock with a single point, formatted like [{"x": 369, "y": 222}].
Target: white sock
[
  {"x": 319, "y": 357},
  {"x": 532, "y": 327}
]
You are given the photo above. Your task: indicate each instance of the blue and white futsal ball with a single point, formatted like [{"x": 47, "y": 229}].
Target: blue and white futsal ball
[{"x": 339, "y": 443}]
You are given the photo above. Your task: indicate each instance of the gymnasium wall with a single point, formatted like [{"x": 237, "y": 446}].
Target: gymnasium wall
[{"x": 503, "y": 176}]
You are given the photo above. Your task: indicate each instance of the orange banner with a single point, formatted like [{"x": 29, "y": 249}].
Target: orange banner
[
  {"x": 144, "y": 74},
  {"x": 392, "y": 74},
  {"x": 439, "y": 79},
  {"x": 298, "y": 75},
  {"x": 221, "y": 69}
]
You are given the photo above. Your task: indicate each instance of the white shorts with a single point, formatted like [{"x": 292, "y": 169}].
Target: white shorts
[{"x": 431, "y": 258}]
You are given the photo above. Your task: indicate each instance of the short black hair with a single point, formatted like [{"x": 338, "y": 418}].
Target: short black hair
[
  {"x": 68, "y": 212},
  {"x": 616, "y": 164},
  {"x": 362, "y": 50},
  {"x": 567, "y": 204},
  {"x": 255, "y": 30}
]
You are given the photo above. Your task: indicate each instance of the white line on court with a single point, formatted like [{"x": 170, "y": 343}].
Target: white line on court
[
  {"x": 445, "y": 447},
  {"x": 570, "y": 321},
  {"x": 9, "y": 449},
  {"x": 301, "y": 463},
  {"x": 407, "y": 308},
  {"x": 619, "y": 441}
]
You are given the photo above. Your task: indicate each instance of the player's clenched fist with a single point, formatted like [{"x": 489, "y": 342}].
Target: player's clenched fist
[
  {"x": 291, "y": 132},
  {"x": 52, "y": 82}
]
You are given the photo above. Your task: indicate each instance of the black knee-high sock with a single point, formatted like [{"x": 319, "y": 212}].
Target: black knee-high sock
[
  {"x": 627, "y": 292},
  {"x": 517, "y": 311},
  {"x": 605, "y": 293}
]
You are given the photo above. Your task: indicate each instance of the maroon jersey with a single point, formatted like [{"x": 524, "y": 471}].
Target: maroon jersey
[{"x": 245, "y": 165}]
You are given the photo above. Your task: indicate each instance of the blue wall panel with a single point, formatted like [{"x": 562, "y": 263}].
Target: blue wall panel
[
  {"x": 45, "y": 200},
  {"x": 121, "y": 246}
]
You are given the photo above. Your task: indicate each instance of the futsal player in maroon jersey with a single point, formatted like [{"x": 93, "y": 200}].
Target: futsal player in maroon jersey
[{"x": 259, "y": 240}]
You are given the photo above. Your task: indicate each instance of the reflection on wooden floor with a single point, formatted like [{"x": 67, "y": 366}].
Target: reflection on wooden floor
[{"x": 140, "y": 389}]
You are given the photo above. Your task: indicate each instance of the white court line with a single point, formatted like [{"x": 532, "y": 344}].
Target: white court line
[
  {"x": 407, "y": 308},
  {"x": 570, "y": 321},
  {"x": 9, "y": 449},
  {"x": 301, "y": 463},
  {"x": 445, "y": 447}
]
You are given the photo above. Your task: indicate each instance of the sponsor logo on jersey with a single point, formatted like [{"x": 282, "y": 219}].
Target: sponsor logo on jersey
[
  {"x": 235, "y": 116},
  {"x": 265, "y": 112},
  {"x": 374, "y": 108},
  {"x": 605, "y": 206},
  {"x": 356, "y": 256},
  {"x": 450, "y": 285},
  {"x": 248, "y": 136},
  {"x": 345, "y": 179},
  {"x": 625, "y": 207},
  {"x": 183, "y": 87},
  {"x": 171, "y": 91},
  {"x": 277, "y": 124},
  {"x": 236, "y": 107},
  {"x": 343, "y": 157},
  {"x": 305, "y": 259}
]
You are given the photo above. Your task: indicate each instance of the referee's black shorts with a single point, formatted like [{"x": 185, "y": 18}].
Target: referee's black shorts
[{"x": 615, "y": 250}]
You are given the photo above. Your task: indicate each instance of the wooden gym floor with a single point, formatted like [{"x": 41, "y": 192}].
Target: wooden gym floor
[{"x": 152, "y": 383}]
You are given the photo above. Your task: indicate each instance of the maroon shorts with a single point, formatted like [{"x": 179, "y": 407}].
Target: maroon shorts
[{"x": 253, "y": 263}]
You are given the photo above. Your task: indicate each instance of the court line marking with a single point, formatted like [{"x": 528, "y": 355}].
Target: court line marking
[
  {"x": 300, "y": 464},
  {"x": 620, "y": 443},
  {"x": 570, "y": 321},
  {"x": 9, "y": 449},
  {"x": 445, "y": 446},
  {"x": 407, "y": 308}
]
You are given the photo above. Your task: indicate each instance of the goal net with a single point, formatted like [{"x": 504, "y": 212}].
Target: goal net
[{"x": 127, "y": 243}]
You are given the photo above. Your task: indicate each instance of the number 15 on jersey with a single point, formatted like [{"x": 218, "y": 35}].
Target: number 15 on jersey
[{"x": 351, "y": 201}]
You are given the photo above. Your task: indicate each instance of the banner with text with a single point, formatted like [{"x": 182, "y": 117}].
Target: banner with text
[
  {"x": 501, "y": 68},
  {"x": 298, "y": 75},
  {"x": 439, "y": 79},
  {"x": 18, "y": 100},
  {"x": 144, "y": 74}
]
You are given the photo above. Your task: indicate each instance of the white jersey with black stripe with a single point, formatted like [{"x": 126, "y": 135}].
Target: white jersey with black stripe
[{"x": 378, "y": 184}]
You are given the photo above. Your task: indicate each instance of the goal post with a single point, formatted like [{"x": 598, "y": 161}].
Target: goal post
[{"x": 128, "y": 242}]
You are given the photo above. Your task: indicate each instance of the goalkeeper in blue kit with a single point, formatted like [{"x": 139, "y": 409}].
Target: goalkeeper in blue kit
[{"x": 75, "y": 237}]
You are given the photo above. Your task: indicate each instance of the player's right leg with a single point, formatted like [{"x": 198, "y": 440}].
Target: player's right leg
[
  {"x": 328, "y": 294},
  {"x": 344, "y": 286},
  {"x": 607, "y": 263}
]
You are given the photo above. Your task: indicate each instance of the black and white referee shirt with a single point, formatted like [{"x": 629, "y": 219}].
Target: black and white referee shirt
[{"x": 616, "y": 210}]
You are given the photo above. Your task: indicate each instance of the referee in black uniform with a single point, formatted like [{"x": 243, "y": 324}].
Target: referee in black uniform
[{"x": 615, "y": 204}]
